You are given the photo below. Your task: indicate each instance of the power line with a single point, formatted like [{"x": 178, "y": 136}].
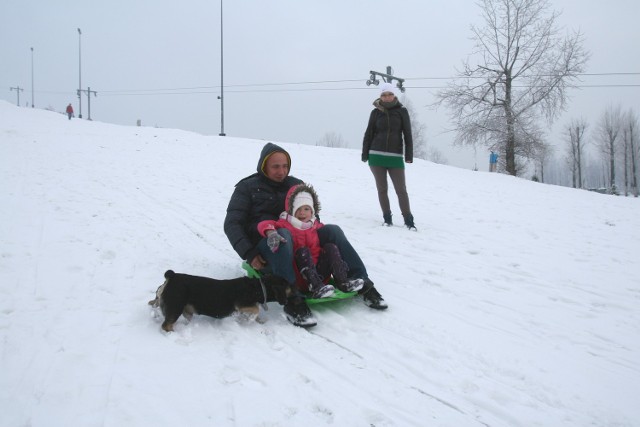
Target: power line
[
  {"x": 245, "y": 88},
  {"x": 236, "y": 85},
  {"x": 538, "y": 75},
  {"x": 312, "y": 82},
  {"x": 608, "y": 74},
  {"x": 523, "y": 86},
  {"x": 332, "y": 90},
  {"x": 334, "y": 81},
  {"x": 240, "y": 91}
]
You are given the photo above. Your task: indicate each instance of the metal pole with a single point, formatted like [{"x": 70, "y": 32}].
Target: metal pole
[
  {"x": 221, "y": 75},
  {"x": 79, "y": 73},
  {"x": 17, "y": 89},
  {"x": 32, "y": 96},
  {"x": 89, "y": 92}
]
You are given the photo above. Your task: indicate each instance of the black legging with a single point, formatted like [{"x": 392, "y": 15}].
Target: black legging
[{"x": 397, "y": 178}]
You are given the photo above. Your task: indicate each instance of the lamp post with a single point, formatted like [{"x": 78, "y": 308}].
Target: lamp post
[
  {"x": 32, "y": 96},
  {"x": 221, "y": 76},
  {"x": 79, "y": 73}
]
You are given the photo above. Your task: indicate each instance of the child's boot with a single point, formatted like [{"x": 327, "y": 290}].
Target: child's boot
[
  {"x": 308, "y": 271},
  {"x": 339, "y": 269}
]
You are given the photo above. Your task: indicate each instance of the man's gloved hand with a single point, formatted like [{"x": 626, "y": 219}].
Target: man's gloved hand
[{"x": 274, "y": 240}]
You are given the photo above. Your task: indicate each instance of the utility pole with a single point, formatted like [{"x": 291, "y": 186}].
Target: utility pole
[
  {"x": 32, "y": 96},
  {"x": 221, "y": 97},
  {"x": 88, "y": 91},
  {"x": 17, "y": 89},
  {"x": 79, "y": 73},
  {"x": 388, "y": 77}
]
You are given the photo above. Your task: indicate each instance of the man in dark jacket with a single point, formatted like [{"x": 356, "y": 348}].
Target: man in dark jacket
[{"x": 260, "y": 197}]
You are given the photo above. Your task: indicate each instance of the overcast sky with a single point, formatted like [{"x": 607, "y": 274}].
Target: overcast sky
[{"x": 159, "y": 61}]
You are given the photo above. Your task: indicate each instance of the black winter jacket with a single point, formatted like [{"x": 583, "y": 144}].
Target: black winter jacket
[
  {"x": 255, "y": 198},
  {"x": 385, "y": 130}
]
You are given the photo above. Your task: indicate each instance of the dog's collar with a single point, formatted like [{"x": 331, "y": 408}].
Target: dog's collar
[{"x": 264, "y": 295}]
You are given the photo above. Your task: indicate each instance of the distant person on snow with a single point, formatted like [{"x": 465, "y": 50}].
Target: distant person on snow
[
  {"x": 261, "y": 197},
  {"x": 493, "y": 162},
  {"x": 70, "y": 111},
  {"x": 314, "y": 264},
  {"x": 384, "y": 148}
]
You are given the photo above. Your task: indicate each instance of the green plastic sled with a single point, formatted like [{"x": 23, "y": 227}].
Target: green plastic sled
[{"x": 338, "y": 295}]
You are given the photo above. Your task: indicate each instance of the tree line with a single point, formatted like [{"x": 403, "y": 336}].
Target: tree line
[{"x": 600, "y": 156}]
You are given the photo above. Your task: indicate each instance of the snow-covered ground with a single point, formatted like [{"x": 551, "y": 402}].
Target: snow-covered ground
[{"x": 515, "y": 304}]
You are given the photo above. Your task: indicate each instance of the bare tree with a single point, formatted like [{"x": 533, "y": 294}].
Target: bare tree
[
  {"x": 332, "y": 139},
  {"x": 629, "y": 137},
  {"x": 434, "y": 155},
  {"x": 525, "y": 68},
  {"x": 542, "y": 156},
  {"x": 608, "y": 129},
  {"x": 625, "y": 157},
  {"x": 632, "y": 125},
  {"x": 418, "y": 131},
  {"x": 576, "y": 143},
  {"x": 421, "y": 149}
]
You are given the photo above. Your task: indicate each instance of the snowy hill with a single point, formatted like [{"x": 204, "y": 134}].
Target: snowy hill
[{"x": 516, "y": 303}]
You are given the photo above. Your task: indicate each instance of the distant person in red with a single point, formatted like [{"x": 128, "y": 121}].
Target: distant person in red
[{"x": 69, "y": 111}]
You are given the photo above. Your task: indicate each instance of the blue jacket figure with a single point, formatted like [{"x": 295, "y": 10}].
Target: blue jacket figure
[{"x": 493, "y": 162}]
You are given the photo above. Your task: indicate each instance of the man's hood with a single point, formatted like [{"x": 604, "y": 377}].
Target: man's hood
[{"x": 267, "y": 151}]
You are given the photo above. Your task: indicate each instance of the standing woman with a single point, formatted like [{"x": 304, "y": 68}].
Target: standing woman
[{"x": 384, "y": 148}]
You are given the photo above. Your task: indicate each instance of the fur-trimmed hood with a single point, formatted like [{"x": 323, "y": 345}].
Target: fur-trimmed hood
[{"x": 293, "y": 191}]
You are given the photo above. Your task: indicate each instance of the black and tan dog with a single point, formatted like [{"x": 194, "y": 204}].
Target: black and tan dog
[{"x": 189, "y": 295}]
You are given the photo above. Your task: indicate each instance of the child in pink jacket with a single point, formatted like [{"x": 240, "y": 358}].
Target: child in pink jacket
[{"x": 314, "y": 264}]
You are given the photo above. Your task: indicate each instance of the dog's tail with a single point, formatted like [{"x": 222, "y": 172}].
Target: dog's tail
[{"x": 169, "y": 274}]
